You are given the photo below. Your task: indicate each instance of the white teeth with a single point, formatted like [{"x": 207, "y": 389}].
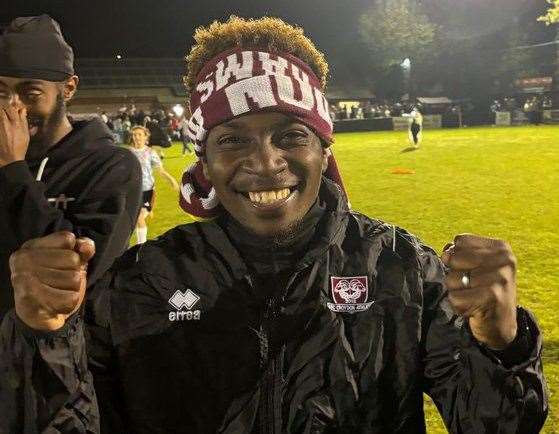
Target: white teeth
[
  {"x": 267, "y": 197},
  {"x": 282, "y": 194}
]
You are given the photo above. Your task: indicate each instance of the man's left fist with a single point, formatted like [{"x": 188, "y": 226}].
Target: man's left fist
[{"x": 481, "y": 287}]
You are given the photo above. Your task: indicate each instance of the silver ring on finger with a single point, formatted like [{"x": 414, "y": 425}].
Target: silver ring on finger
[{"x": 466, "y": 279}]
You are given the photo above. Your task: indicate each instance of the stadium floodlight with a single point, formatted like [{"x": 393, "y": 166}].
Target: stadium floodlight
[
  {"x": 178, "y": 110},
  {"x": 406, "y": 70},
  {"x": 406, "y": 64},
  {"x": 118, "y": 57}
]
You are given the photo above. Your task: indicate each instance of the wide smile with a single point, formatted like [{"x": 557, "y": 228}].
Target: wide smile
[{"x": 267, "y": 200}]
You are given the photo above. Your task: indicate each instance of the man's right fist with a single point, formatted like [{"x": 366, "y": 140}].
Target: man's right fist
[{"x": 49, "y": 276}]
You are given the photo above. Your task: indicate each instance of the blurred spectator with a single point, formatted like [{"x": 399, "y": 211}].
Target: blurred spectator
[
  {"x": 530, "y": 109},
  {"x": 117, "y": 130},
  {"x": 158, "y": 128},
  {"x": 139, "y": 118},
  {"x": 126, "y": 126},
  {"x": 538, "y": 110},
  {"x": 496, "y": 106},
  {"x": 174, "y": 127},
  {"x": 359, "y": 112}
]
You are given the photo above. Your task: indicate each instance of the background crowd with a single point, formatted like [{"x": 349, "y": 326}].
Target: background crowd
[{"x": 164, "y": 126}]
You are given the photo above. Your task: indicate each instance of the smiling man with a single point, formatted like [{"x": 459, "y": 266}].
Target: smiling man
[
  {"x": 266, "y": 170},
  {"x": 286, "y": 312},
  {"x": 55, "y": 175}
]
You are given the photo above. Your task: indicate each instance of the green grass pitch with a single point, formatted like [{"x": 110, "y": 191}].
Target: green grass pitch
[{"x": 499, "y": 182}]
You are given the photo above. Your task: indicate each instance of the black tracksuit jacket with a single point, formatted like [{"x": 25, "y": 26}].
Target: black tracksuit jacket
[
  {"x": 243, "y": 352},
  {"x": 101, "y": 184}
]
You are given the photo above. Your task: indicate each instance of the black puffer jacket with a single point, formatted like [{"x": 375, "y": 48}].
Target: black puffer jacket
[{"x": 196, "y": 345}]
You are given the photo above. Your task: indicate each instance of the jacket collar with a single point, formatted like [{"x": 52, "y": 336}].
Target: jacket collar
[
  {"x": 82, "y": 140},
  {"x": 330, "y": 230}
]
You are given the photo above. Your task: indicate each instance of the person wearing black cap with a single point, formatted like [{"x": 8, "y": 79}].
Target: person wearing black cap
[{"x": 55, "y": 174}]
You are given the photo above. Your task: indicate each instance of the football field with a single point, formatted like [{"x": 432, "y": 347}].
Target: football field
[{"x": 498, "y": 182}]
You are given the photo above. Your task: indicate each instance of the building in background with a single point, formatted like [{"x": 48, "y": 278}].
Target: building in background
[{"x": 109, "y": 84}]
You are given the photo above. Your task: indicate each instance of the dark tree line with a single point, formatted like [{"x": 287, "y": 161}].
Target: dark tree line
[{"x": 459, "y": 48}]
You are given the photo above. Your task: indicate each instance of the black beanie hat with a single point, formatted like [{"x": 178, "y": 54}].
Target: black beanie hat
[{"x": 34, "y": 48}]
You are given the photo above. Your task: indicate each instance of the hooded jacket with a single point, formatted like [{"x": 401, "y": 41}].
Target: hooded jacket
[
  {"x": 184, "y": 335},
  {"x": 88, "y": 186}
]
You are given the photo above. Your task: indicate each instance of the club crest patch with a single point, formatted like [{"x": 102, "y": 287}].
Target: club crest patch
[{"x": 349, "y": 294}]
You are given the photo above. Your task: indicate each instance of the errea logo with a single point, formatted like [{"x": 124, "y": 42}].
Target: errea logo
[{"x": 184, "y": 300}]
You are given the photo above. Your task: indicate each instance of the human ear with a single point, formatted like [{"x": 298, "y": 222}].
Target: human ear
[{"x": 69, "y": 87}]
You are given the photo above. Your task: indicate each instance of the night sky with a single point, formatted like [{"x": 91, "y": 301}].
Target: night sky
[{"x": 164, "y": 28}]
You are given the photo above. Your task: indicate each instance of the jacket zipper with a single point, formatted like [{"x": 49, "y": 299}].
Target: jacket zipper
[
  {"x": 270, "y": 398},
  {"x": 269, "y": 408}
]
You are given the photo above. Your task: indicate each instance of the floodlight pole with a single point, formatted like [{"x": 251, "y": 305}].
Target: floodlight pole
[
  {"x": 555, "y": 82},
  {"x": 406, "y": 70}
]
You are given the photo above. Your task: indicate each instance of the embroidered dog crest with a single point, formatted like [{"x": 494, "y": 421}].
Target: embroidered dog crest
[{"x": 349, "y": 294}]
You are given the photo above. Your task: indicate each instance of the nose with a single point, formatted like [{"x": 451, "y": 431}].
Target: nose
[{"x": 266, "y": 160}]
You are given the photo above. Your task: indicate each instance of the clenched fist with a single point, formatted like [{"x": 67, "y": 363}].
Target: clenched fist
[
  {"x": 481, "y": 287},
  {"x": 14, "y": 134},
  {"x": 49, "y": 278}
]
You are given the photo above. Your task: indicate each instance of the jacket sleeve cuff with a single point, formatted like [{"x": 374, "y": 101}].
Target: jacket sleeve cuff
[
  {"x": 523, "y": 349},
  {"x": 32, "y": 335}
]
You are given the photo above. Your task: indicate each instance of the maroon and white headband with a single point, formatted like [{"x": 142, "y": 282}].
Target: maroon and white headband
[{"x": 241, "y": 81}]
